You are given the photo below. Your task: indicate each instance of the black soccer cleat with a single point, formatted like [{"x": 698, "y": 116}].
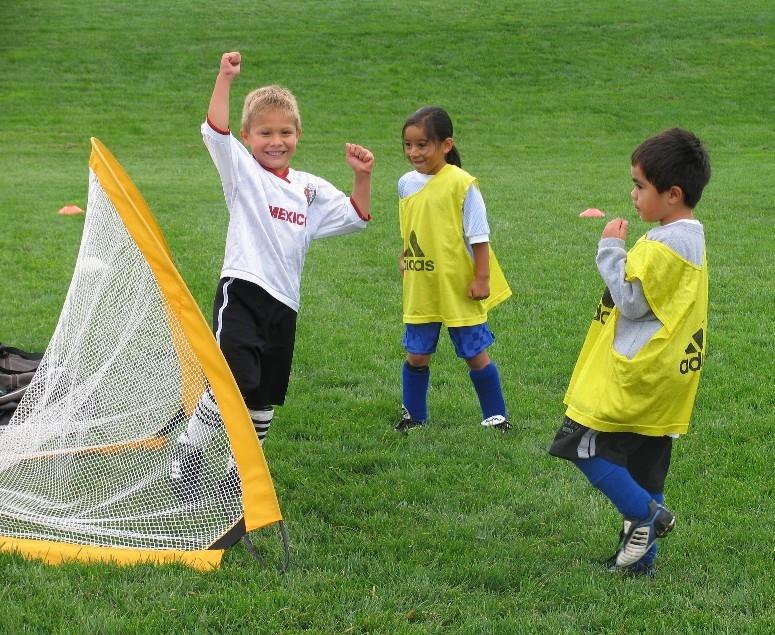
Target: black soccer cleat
[
  {"x": 635, "y": 570},
  {"x": 644, "y": 533},
  {"x": 499, "y": 422},
  {"x": 407, "y": 423}
]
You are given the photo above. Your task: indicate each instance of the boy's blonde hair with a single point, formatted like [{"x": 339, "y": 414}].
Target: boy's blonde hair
[{"x": 270, "y": 98}]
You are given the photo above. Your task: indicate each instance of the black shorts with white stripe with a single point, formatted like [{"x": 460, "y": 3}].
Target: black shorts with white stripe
[
  {"x": 646, "y": 458},
  {"x": 256, "y": 333}
]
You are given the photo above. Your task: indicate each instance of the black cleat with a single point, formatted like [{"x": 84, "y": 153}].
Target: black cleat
[
  {"x": 407, "y": 423},
  {"x": 499, "y": 422},
  {"x": 642, "y": 534}
]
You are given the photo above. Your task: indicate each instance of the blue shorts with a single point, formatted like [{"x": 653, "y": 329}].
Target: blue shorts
[{"x": 469, "y": 341}]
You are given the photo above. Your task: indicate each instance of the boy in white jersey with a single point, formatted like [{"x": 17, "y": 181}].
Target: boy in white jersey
[
  {"x": 274, "y": 214},
  {"x": 634, "y": 385}
]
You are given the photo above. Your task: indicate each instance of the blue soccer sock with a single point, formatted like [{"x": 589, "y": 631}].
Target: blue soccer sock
[
  {"x": 415, "y": 382},
  {"x": 619, "y": 487},
  {"x": 651, "y": 554},
  {"x": 487, "y": 383}
]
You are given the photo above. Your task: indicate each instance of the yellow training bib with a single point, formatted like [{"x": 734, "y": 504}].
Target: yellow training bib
[
  {"x": 653, "y": 393},
  {"x": 438, "y": 267}
]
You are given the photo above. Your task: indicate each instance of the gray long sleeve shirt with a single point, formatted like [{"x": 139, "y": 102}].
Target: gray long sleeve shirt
[{"x": 637, "y": 322}]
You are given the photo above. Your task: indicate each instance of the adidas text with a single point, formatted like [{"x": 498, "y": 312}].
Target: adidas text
[
  {"x": 604, "y": 307},
  {"x": 693, "y": 364},
  {"x": 696, "y": 345},
  {"x": 601, "y": 315},
  {"x": 418, "y": 264}
]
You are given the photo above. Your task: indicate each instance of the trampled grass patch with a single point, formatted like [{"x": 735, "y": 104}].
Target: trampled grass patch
[{"x": 452, "y": 529}]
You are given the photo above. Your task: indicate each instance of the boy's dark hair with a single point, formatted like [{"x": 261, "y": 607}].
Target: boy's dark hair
[
  {"x": 674, "y": 157},
  {"x": 437, "y": 125}
]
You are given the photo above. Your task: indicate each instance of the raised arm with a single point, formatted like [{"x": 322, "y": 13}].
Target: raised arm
[
  {"x": 218, "y": 111},
  {"x": 361, "y": 160}
]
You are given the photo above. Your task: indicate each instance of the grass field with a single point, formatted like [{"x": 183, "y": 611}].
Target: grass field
[{"x": 452, "y": 530}]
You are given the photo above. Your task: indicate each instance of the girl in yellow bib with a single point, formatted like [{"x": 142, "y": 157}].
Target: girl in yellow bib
[
  {"x": 633, "y": 388},
  {"x": 450, "y": 274}
]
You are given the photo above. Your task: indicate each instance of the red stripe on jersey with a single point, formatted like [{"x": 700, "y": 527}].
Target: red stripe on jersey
[
  {"x": 358, "y": 210},
  {"x": 282, "y": 175},
  {"x": 216, "y": 128}
]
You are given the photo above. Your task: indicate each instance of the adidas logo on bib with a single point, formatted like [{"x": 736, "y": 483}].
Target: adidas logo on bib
[
  {"x": 694, "y": 351},
  {"x": 604, "y": 307},
  {"x": 414, "y": 256}
]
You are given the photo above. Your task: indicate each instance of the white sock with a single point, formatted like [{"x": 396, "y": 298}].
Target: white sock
[
  {"x": 204, "y": 424},
  {"x": 262, "y": 419}
]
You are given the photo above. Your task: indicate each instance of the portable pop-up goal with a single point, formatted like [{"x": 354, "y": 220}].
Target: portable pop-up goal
[{"x": 85, "y": 460}]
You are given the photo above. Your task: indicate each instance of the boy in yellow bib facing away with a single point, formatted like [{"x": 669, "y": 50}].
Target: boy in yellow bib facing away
[
  {"x": 634, "y": 385},
  {"x": 450, "y": 274}
]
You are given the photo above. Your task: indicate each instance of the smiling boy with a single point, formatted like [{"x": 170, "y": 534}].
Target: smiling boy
[
  {"x": 274, "y": 214},
  {"x": 634, "y": 385}
]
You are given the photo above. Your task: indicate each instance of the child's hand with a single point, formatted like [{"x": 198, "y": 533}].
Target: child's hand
[
  {"x": 230, "y": 64},
  {"x": 360, "y": 159},
  {"x": 479, "y": 289},
  {"x": 617, "y": 228}
]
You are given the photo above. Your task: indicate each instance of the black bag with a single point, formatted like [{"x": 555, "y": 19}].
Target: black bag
[
  {"x": 14, "y": 360},
  {"x": 6, "y": 412},
  {"x": 17, "y": 368}
]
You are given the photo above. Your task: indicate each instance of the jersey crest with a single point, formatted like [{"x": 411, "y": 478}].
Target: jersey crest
[{"x": 310, "y": 191}]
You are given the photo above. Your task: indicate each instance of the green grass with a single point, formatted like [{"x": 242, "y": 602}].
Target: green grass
[{"x": 452, "y": 530}]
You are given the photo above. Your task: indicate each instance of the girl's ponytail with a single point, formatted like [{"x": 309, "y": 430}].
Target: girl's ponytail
[{"x": 453, "y": 156}]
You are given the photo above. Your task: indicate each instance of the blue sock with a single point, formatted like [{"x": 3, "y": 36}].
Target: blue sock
[
  {"x": 617, "y": 484},
  {"x": 651, "y": 554},
  {"x": 415, "y": 383},
  {"x": 487, "y": 383}
]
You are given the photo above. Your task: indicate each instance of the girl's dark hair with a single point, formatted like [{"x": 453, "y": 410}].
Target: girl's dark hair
[{"x": 437, "y": 125}]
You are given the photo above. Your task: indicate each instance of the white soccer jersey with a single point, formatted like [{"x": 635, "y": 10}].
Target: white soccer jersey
[{"x": 273, "y": 219}]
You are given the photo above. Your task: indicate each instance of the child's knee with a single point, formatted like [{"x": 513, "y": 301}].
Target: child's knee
[
  {"x": 479, "y": 361},
  {"x": 418, "y": 361}
]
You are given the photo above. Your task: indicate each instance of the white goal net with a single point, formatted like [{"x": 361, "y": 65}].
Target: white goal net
[{"x": 85, "y": 462}]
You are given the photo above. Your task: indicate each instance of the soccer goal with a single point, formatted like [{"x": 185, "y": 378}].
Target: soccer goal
[{"x": 85, "y": 460}]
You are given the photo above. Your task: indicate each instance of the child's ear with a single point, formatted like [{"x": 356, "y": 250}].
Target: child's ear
[
  {"x": 675, "y": 195},
  {"x": 243, "y": 135},
  {"x": 447, "y": 144}
]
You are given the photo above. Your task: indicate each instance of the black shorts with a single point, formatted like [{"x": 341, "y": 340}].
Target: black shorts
[
  {"x": 256, "y": 333},
  {"x": 646, "y": 458}
]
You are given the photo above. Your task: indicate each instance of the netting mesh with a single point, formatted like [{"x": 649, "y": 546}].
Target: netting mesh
[{"x": 86, "y": 458}]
